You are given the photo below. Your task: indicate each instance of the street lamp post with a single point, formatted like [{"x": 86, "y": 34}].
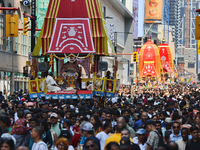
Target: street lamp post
[
  {"x": 33, "y": 24},
  {"x": 115, "y": 58}
]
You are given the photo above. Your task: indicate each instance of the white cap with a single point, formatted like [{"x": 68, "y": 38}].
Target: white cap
[
  {"x": 54, "y": 115},
  {"x": 88, "y": 126}
]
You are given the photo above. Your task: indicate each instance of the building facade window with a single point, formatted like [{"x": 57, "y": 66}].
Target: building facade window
[
  {"x": 191, "y": 65},
  {"x": 17, "y": 40},
  {"x": 124, "y": 2},
  {"x": 29, "y": 43},
  {"x": 23, "y": 48},
  {"x": 17, "y": 45},
  {"x": 8, "y": 40}
]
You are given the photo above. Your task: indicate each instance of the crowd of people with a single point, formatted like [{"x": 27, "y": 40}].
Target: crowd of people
[{"x": 150, "y": 119}]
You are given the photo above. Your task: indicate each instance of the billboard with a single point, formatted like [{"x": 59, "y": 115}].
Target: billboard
[
  {"x": 138, "y": 8},
  {"x": 154, "y": 9},
  {"x": 135, "y": 19}
]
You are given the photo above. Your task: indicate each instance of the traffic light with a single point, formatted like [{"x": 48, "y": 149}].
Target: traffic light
[
  {"x": 25, "y": 26},
  {"x": 197, "y": 28},
  {"x": 12, "y": 25},
  {"x": 25, "y": 71},
  {"x": 135, "y": 56}
]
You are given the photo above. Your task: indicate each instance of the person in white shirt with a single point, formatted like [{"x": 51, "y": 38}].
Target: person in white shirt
[
  {"x": 156, "y": 101},
  {"x": 36, "y": 135},
  {"x": 102, "y": 136},
  {"x": 141, "y": 139},
  {"x": 182, "y": 142},
  {"x": 51, "y": 84}
]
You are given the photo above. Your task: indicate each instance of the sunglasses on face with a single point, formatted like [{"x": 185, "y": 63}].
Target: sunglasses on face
[
  {"x": 176, "y": 127},
  {"x": 89, "y": 146}
]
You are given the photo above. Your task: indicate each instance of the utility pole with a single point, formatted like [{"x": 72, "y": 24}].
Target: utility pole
[
  {"x": 115, "y": 58},
  {"x": 12, "y": 73},
  {"x": 33, "y": 24}
]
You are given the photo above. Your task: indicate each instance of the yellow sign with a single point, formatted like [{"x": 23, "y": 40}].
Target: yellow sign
[
  {"x": 135, "y": 57},
  {"x": 198, "y": 47},
  {"x": 197, "y": 28},
  {"x": 12, "y": 25},
  {"x": 154, "y": 9}
]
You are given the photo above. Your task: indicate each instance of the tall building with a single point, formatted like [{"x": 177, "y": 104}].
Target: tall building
[
  {"x": 187, "y": 37},
  {"x": 13, "y": 51},
  {"x": 182, "y": 20},
  {"x": 119, "y": 19}
]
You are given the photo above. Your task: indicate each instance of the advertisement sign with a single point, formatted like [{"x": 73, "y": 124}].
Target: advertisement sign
[
  {"x": 154, "y": 9},
  {"x": 138, "y": 10},
  {"x": 198, "y": 47},
  {"x": 135, "y": 19}
]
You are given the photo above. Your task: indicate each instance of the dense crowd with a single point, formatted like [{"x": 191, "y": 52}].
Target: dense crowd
[{"x": 150, "y": 119}]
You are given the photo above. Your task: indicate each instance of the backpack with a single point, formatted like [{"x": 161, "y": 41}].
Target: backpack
[{"x": 160, "y": 143}]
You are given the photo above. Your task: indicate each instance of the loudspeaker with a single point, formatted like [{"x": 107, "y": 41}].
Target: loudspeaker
[
  {"x": 42, "y": 66},
  {"x": 103, "y": 66}
]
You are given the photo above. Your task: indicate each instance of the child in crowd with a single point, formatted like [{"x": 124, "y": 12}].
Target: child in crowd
[
  {"x": 77, "y": 135},
  {"x": 76, "y": 127},
  {"x": 20, "y": 127}
]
